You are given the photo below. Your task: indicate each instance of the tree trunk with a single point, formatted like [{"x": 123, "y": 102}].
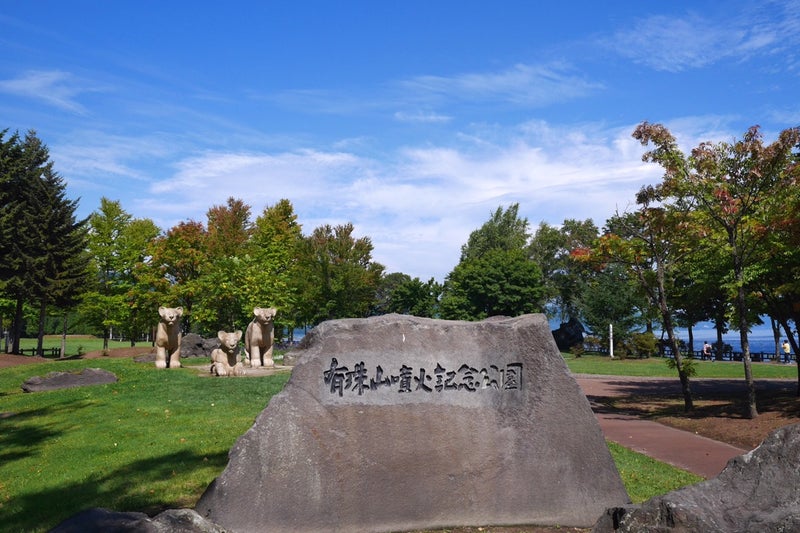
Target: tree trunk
[
  {"x": 795, "y": 346},
  {"x": 63, "y": 352},
  {"x": 16, "y": 327},
  {"x": 666, "y": 318},
  {"x": 776, "y": 335},
  {"x": 741, "y": 304},
  {"x": 744, "y": 326},
  {"x": 40, "y": 332}
]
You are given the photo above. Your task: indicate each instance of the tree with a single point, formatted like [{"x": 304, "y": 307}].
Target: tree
[
  {"x": 494, "y": 275},
  {"x": 135, "y": 243},
  {"x": 105, "y": 307},
  {"x": 738, "y": 188},
  {"x": 557, "y": 252},
  {"x": 13, "y": 267},
  {"x": 41, "y": 240},
  {"x": 60, "y": 272},
  {"x": 399, "y": 293},
  {"x": 652, "y": 243},
  {"x": 272, "y": 262},
  {"x": 223, "y": 284},
  {"x": 340, "y": 279},
  {"x": 500, "y": 282},
  {"x": 229, "y": 228},
  {"x": 610, "y": 298},
  {"x": 176, "y": 264},
  {"x": 503, "y": 231}
]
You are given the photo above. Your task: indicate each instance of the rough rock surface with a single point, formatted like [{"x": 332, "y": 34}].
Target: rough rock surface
[
  {"x": 193, "y": 345},
  {"x": 568, "y": 334},
  {"x": 66, "y": 380},
  {"x": 97, "y": 520},
  {"x": 396, "y": 423},
  {"x": 757, "y": 491}
]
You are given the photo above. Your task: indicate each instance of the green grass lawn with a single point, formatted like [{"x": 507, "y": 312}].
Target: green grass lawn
[
  {"x": 154, "y": 440},
  {"x": 157, "y": 438},
  {"x": 76, "y": 344},
  {"x": 657, "y": 367}
]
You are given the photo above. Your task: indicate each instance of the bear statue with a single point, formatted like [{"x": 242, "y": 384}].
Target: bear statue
[
  {"x": 225, "y": 359},
  {"x": 168, "y": 337},
  {"x": 260, "y": 336}
]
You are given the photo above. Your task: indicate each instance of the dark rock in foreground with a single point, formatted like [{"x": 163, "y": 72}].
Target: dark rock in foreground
[
  {"x": 757, "y": 491},
  {"x": 66, "y": 380},
  {"x": 396, "y": 423},
  {"x": 98, "y": 520}
]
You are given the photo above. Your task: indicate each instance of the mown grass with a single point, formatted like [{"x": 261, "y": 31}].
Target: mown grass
[
  {"x": 153, "y": 440},
  {"x": 76, "y": 344},
  {"x": 157, "y": 438},
  {"x": 657, "y": 367},
  {"x": 645, "y": 477}
]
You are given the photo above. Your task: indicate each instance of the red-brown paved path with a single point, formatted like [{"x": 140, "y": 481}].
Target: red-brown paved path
[{"x": 700, "y": 455}]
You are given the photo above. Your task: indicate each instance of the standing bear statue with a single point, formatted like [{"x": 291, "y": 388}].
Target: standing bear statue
[
  {"x": 168, "y": 337},
  {"x": 259, "y": 337},
  {"x": 225, "y": 359}
]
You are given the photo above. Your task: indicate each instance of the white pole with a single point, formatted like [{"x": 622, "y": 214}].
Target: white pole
[{"x": 611, "y": 340}]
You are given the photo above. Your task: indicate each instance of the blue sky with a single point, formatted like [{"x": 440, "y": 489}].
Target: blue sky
[{"x": 414, "y": 120}]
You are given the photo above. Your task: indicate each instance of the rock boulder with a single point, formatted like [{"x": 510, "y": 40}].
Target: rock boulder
[
  {"x": 396, "y": 423},
  {"x": 67, "y": 380},
  {"x": 98, "y": 520},
  {"x": 193, "y": 345},
  {"x": 757, "y": 491}
]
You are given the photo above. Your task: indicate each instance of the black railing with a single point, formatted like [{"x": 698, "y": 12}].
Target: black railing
[
  {"x": 730, "y": 355},
  {"x": 46, "y": 352}
]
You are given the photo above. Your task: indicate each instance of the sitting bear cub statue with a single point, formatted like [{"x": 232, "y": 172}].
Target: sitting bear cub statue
[{"x": 225, "y": 359}]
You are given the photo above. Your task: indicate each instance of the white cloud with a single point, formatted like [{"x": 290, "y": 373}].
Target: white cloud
[
  {"x": 421, "y": 116},
  {"x": 675, "y": 44},
  {"x": 527, "y": 85},
  {"x": 420, "y": 207},
  {"x": 54, "y": 87}
]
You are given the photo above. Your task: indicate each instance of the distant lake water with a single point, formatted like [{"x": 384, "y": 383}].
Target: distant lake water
[{"x": 760, "y": 338}]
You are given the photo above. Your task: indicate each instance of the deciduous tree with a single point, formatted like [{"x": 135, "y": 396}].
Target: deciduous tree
[
  {"x": 340, "y": 279},
  {"x": 738, "y": 187},
  {"x": 500, "y": 282}
]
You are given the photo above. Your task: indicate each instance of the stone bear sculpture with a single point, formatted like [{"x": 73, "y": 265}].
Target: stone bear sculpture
[
  {"x": 168, "y": 337},
  {"x": 225, "y": 359},
  {"x": 260, "y": 336}
]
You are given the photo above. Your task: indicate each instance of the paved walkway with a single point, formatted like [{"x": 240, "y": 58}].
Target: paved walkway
[{"x": 700, "y": 455}]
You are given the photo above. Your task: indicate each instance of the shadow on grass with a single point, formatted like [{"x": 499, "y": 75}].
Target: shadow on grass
[
  {"x": 725, "y": 398},
  {"x": 22, "y": 433},
  {"x": 126, "y": 488}
]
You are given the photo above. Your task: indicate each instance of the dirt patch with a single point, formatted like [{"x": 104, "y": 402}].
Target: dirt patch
[{"x": 719, "y": 416}]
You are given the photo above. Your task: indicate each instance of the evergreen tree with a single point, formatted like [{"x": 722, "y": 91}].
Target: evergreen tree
[
  {"x": 13, "y": 267},
  {"x": 46, "y": 242}
]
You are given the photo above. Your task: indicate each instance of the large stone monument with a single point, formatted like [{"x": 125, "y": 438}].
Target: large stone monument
[{"x": 396, "y": 423}]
